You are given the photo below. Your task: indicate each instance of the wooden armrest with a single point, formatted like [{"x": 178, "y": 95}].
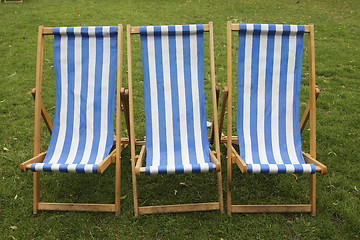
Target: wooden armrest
[
  {"x": 215, "y": 161},
  {"x": 106, "y": 162},
  {"x": 139, "y": 161},
  {"x": 239, "y": 161},
  {"x": 319, "y": 166},
  {"x": 27, "y": 164}
]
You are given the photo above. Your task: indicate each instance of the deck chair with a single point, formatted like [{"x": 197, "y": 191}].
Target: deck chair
[
  {"x": 87, "y": 64},
  {"x": 175, "y": 114},
  {"x": 268, "y": 108}
]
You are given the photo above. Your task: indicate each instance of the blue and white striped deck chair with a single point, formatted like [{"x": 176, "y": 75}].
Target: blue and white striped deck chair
[
  {"x": 86, "y": 60},
  {"x": 175, "y": 113},
  {"x": 268, "y": 107}
]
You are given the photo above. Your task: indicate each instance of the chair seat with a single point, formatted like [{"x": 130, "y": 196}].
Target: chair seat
[
  {"x": 72, "y": 168},
  {"x": 281, "y": 168}
]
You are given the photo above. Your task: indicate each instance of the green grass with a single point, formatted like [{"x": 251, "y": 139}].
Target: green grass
[{"x": 337, "y": 38}]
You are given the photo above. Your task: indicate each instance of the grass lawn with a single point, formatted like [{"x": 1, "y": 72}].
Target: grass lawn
[{"x": 337, "y": 46}]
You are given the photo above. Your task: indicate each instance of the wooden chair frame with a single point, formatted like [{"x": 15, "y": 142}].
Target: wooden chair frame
[
  {"x": 15, "y": 1},
  {"x": 234, "y": 157},
  {"x": 40, "y": 110},
  {"x": 137, "y": 160}
]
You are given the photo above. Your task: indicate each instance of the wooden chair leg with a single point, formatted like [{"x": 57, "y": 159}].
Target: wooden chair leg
[
  {"x": 220, "y": 192},
  {"x": 228, "y": 188},
  {"x": 313, "y": 194},
  {"x": 36, "y": 192},
  {"x": 117, "y": 186},
  {"x": 135, "y": 196}
]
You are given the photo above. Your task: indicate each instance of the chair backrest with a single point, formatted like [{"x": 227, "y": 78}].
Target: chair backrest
[
  {"x": 175, "y": 113},
  {"x": 85, "y": 62},
  {"x": 268, "y": 96}
]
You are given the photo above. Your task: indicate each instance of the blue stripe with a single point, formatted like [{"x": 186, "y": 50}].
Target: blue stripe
[
  {"x": 147, "y": 96},
  {"x": 63, "y": 168},
  {"x": 70, "y": 96},
  {"x": 56, "y": 122},
  {"x": 56, "y": 32},
  {"x": 240, "y": 89},
  {"x": 188, "y": 94},
  {"x": 203, "y": 121},
  {"x": 250, "y": 168},
  {"x": 174, "y": 95},
  {"x": 268, "y": 93},
  {"x": 297, "y": 83},
  {"x": 254, "y": 93},
  {"x": 84, "y": 91},
  {"x": 298, "y": 169},
  {"x": 161, "y": 94},
  {"x": 80, "y": 168},
  {"x": 47, "y": 167},
  {"x": 282, "y": 95},
  {"x": 112, "y": 87},
  {"x": 264, "y": 168},
  {"x": 97, "y": 96}
]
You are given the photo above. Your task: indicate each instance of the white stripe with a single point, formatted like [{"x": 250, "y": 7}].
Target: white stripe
[
  {"x": 182, "y": 99},
  {"x": 168, "y": 100},
  {"x": 290, "y": 97},
  {"x": 88, "y": 168},
  {"x": 273, "y": 168},
  {"x": 39, "y": 167},
  {"x": 90, "y": 98},
  {"x": 55, "y": 167},
  {"x": 256, "y": 168},
  {"x": 290, "y": 168},
  {"x": 275, "y": 96},
  {"x": 170, "y": 169},
  {"x": 247, "y": 94},
  {"x": 154, "y": 169},
  {"x": 77, "y": 97},
  {"x": 104, "y": 97},
  {"x": 306, "y": 168},
  {"x": 153, "y": 97},
  {"x": 261, "y": 95},
  {"x": 195, "y": 96},
  {"x": 62, "y": 31},
  {"x": 64, "y": 98},
  {"x": 72, "y": 168},
  {"x": 187, "y": 168}
]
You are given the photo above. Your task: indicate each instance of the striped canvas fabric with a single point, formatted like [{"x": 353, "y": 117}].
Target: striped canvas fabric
[
  {"x": 175, "y": 114},
  {"x": 268, "y": 109},
  {"x": 85, "y": 61}
]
